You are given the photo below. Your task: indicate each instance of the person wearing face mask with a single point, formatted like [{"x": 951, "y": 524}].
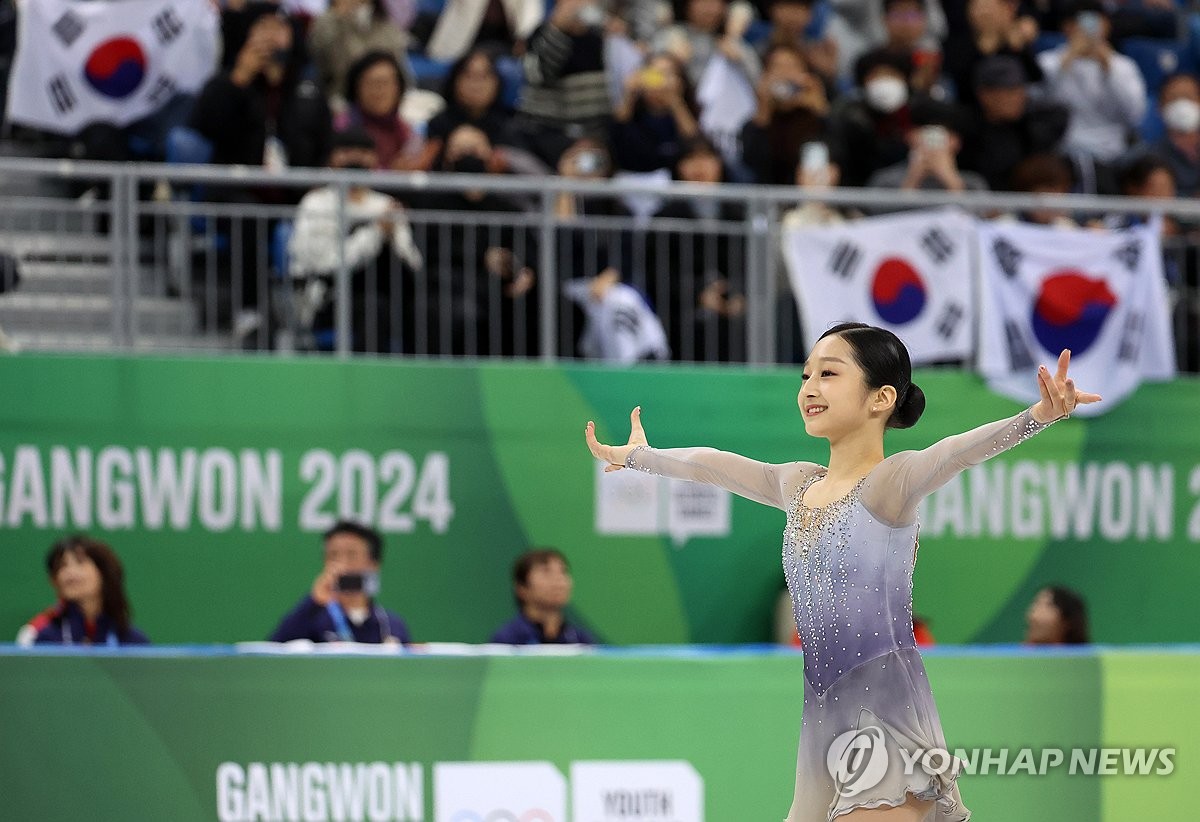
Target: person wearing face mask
[
  {"x": 92, "y": 607},
  {"x": 871, "y": 127},
  {"x": 349, "y": 30},
  {"x": 480, "y": 284},
  {"x": 1179, "y": 105},
  {"x": 377, "y": 249}
]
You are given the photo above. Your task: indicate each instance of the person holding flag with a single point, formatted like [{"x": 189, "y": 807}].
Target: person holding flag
[{"x": 849, "y": 549}]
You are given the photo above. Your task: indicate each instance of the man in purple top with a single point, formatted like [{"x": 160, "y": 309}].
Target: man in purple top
[
  {"x": 341, "y": 606},
  {"x": 542, "y": 587}
]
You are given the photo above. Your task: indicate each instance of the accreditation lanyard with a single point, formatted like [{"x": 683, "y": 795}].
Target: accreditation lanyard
[
  {"x": 340, "y": 624},
  {"x": 69, "y": 636}
]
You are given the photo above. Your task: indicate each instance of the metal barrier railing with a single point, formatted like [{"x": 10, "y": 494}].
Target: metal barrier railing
[{"x": 153, "y": 257}]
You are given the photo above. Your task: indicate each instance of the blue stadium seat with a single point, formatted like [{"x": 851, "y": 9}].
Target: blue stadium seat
[
  {"x": 186, "y": 145},
  {"x": 430, "y": 7},
  {"x": 1048, "y": 41},
  {"x": 429, "y": 73},
  {"x": 1157, "y": 59}
]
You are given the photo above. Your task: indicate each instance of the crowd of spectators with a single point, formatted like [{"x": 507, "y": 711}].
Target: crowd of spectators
[
  {"x": 644, "y": 77},
  {"x": 1001, "y": 95}
]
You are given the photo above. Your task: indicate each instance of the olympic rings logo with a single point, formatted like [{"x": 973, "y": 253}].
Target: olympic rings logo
[{"x": 500, "y": 815}]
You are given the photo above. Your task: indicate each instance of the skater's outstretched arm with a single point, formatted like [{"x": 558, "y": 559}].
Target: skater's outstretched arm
[
  {"x": 897, "y": 486},
  {"x": 758, "y": 481}
]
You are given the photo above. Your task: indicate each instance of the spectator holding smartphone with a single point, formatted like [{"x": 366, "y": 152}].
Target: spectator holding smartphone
[
  {"x": 934, "y": 141},
  {"x": 792, "y": 110},
  {"x": 341, "y": 606},
  {"x": 1103, "y": 89},
  {"x": 656, "y": 117}
]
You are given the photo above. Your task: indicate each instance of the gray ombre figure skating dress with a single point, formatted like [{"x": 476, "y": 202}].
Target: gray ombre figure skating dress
[{"x": 849, "y": 568}]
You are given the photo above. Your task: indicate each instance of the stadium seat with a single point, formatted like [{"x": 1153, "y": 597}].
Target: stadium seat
[
  {"x": 1157, "y": 59},
  {"x": 1048, "y": 41},
  {"x": 186, "y": 145}
]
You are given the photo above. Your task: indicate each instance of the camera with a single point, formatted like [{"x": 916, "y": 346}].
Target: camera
[
  {"x": 784, "y": 89},
  {"x": 1089, "y": 23},
  {"x": 934, "y": 137},
  {"x": 592, "y": 16},
  {"x": 354, "y": 583},
  {"x": 653, "y": 79},
  {"x": 589, "y": 161},
  {"x": 814, "y": 156}
]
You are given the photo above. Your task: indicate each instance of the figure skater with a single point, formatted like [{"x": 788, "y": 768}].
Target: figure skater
[{"x": 848, "y": 553}]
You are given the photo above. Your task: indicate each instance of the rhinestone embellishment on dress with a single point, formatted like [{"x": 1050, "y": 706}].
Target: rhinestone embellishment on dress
[{"x": 805, "y": 525}]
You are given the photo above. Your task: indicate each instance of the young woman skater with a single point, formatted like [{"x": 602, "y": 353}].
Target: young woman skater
[{"x": 848, "y": 553}]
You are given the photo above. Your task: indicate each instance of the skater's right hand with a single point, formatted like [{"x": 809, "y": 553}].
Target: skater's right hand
[{"x": 615, "y": 455}]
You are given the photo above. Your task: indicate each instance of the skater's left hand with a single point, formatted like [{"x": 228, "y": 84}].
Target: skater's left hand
[
  {"x": 614, "y": 455},
  {"x": 1059, "y": 395}
]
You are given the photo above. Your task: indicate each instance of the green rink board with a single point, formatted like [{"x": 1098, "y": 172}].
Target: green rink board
[
  {"x": 213, "y": 478},
  {"x": 112, "y": 737}
]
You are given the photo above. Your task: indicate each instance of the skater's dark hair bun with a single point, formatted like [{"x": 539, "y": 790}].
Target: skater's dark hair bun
[
  {"x": 910, "y": 410},
  {"x": 884, "y": 361}
]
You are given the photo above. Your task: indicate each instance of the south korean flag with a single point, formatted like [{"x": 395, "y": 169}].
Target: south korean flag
[
  {"x": 1100, "y": 294},
  {"x": 909, "y": 273},
  {"x": 111, "y": 61}
]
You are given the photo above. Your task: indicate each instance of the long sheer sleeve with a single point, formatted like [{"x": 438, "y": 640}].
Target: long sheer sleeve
[
  {"x": 759, "y": 481},
  {"x": 896, "y": 487}
]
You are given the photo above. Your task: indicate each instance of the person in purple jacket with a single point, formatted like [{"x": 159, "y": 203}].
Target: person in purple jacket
[
  {"x": 542, "y": 588},
  {"x": 341, "y": 606},
  {"x": 92, "y": 607}
]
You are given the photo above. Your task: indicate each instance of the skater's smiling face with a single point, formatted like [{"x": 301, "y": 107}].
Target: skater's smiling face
[{"x": 834, "y": 396}]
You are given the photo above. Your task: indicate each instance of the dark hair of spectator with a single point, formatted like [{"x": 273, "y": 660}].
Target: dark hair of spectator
[
  {"x": 790, "y": 48},
  {"x": 451, "y": 82},
  {"x": 884, "y": 361},
  {"x": 773, "y": 3},
  {"x": 679, "y": 9},
  {"x": 929, "y": 112},
  {"x": 881, "y": 58},
  {"x": 1078, "y": 7},
  {"x": 1042, "y": 171},
  {"x": 352, "y": 137},
  {"x": 368, "y": 535},
  {"x": 1177, "y": 77},
  {"x": 528, "y": 561},
  {"x": 115, "y": 604},
  {"x": 1137, "y": 172},
  {"x": 698, "y": 145},
  {"x": 888, "y": 4},
  {"x": 367, "y": 61},
  {"x": 378, "y": 10},
  {"x": 235, "y": 31},
  {"x": 1073, "y": 612}
]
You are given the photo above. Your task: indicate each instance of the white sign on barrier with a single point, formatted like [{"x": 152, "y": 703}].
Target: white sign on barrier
[
  {"x": 498, "y": 792},
  {"x": 636, "y": 792},
  {"x": 631, "y": 503}
]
